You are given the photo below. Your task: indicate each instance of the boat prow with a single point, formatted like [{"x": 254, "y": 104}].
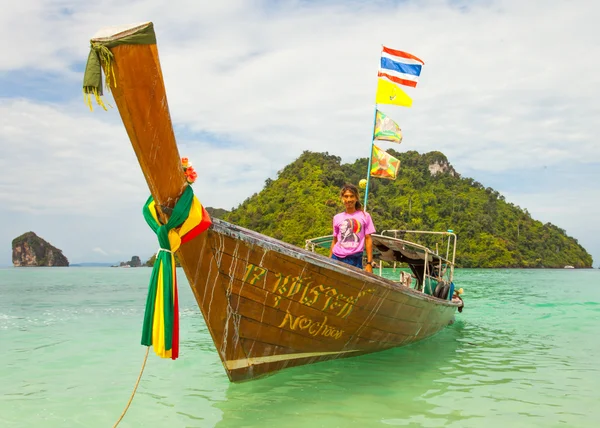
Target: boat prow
[{"x": 268, "y": 305}]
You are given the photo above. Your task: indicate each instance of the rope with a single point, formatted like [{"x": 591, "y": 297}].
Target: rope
[{"x": 134, "y": 389}]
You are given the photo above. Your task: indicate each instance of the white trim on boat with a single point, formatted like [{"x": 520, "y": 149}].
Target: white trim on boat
[{"x": 247, "y": 362}]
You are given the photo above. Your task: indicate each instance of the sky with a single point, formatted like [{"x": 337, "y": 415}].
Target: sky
[{"x": 509, "y": 93}]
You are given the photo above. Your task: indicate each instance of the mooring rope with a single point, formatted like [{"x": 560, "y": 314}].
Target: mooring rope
[{"x": 134, "y": 388}]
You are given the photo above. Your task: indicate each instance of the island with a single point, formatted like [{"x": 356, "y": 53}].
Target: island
[{"x": 30, "y": 250}]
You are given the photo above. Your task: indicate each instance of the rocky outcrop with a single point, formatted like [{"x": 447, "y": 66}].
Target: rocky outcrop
[
  {"x": 31, "y": 250},
  {"x": 437, "y": 163},
  {"x": 134, "y": 262},
  {"x": 441, "y": 167}
]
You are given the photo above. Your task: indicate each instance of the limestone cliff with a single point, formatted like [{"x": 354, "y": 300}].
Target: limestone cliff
[{"x": 31, "y": 250}]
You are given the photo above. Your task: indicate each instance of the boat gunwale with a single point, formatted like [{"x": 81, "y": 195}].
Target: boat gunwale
[{"x": 264, "y": 241}]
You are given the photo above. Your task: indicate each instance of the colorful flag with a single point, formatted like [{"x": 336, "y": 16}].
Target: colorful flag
[
  {"x": 384, "y": 165},
  {"x": 390, "y": 93},
  {"x": 386, "y": 129},
  {"x": 400, "y": 67}
]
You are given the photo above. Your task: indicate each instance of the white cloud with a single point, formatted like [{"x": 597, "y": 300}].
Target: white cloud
[
  {"x": 57, "y": 160},
  {"x": 506, "y": 85},
  {"x": 99, "y": 251}
]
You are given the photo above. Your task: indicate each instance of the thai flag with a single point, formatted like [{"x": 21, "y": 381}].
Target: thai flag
[{"x": 400, "y": 67}]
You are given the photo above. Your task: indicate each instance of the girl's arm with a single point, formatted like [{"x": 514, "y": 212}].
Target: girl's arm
[
  {"x": 369, "y": 248},
  {"x": 332, "y": 245}
]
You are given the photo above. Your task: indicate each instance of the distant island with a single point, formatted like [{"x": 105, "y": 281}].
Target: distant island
[
  {"x": 30, "y": 250},
  {"x": 91, "y": 264},
  {"x": 137, "y": 262},
  {"x": 134, "y": 262}
]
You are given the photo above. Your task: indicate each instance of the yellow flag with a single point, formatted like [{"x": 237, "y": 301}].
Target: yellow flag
[{"x": 390, "y": 93}]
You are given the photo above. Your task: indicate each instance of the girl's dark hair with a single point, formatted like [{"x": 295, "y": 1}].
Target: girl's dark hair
[{"x": 353, "y": 189}]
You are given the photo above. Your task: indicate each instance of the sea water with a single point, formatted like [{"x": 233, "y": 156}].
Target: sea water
[{"x": 525, "y": 352}]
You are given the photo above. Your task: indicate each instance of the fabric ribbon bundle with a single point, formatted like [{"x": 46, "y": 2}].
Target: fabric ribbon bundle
[{"x": 161, "y": 319}]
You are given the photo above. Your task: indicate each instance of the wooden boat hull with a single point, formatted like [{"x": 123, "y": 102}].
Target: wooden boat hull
[{"x": 268, "y": 305}]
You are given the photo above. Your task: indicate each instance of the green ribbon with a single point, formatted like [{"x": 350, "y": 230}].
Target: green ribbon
[{"x": 178, "y": 216}]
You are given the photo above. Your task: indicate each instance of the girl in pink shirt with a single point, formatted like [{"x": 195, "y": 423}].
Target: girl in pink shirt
[{"x": 352, "y": 231}]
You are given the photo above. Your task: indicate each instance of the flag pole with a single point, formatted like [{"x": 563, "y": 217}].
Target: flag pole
[
  {"x": 371, "y": 151},
  {"x": 370, "y": 159}
]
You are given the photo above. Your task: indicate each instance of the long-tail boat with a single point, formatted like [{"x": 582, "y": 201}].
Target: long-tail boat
[{"x": 268, "y": 304}]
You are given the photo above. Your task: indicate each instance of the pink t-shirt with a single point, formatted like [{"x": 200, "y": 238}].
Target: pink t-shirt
[{"x": 350, "y": 231}]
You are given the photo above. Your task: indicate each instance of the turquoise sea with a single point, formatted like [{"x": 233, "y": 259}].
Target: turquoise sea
[{"x": 525, "y": 352}]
